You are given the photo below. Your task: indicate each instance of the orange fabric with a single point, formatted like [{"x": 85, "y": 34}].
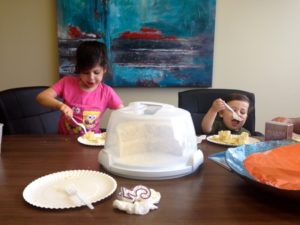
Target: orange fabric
[{"x": 279, "y": 167}]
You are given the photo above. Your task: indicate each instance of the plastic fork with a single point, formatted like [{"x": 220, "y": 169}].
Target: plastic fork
[
  {"x": 72, "y": 190},
  {"x": 79, "y": 124},
  {"x": 234, "y": 114}
]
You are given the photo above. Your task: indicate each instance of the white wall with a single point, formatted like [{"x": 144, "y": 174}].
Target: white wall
[
  {"x": 257, "y": 49},
  {"x": 28, "y": 43}
]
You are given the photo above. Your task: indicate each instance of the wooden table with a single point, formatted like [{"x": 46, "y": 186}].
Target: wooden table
[{"x": 211, "y": 195}]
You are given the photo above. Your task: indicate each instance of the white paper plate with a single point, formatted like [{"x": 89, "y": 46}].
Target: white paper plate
[
  {"x": 252, "y": 140},
  {"x": 84, "y": 141},
  {"x": 49, "y": 191}
]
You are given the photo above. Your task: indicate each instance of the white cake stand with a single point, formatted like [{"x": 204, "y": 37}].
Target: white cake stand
[{"x": 151, "y": 166}]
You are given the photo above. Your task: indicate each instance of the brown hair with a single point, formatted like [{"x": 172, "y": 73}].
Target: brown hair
[
  {"x": 239, "y": 97},
  {"x": 90, "y": 54}
]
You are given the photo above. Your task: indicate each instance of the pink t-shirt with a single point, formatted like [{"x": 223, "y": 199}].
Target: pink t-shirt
[{"x": 88, "y": 107}]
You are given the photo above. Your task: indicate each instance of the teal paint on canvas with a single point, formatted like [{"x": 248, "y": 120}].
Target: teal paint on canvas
[
  {"x": 184, "y": 19},
  {"x": 151, "y": 43}
]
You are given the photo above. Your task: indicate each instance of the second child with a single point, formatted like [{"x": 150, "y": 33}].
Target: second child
[{"x": 220, "y": 118}]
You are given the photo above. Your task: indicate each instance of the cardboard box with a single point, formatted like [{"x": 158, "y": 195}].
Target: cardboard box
[{"x": 278, "y": 131}]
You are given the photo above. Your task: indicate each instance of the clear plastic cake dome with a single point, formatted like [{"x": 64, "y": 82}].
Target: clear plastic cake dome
[{"x": 149, "y": 141}]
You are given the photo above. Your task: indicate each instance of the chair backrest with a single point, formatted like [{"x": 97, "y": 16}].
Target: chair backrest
[
  {"x": 198, "y": 102},
  {"x": 22, "y": 114}
]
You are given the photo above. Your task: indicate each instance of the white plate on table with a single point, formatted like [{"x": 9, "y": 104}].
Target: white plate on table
[
  {"x": 296, "y": 137},
  {"x": 49, "y": 191},
  {"x": 100, "y": 142},
  {"x": 252, "y": 140}
]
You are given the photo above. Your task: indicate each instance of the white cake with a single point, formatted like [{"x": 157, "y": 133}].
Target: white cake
[{"x": 148, "y": 140}]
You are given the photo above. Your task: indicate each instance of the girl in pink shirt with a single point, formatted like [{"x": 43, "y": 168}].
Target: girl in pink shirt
[{"x": 84, "y": 97}]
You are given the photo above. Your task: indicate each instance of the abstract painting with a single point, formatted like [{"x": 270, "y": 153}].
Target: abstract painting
[{"x": 151, "y": 43}]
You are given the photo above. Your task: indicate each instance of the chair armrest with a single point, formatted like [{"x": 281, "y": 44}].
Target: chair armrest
[{"x": 257, "y": 133}]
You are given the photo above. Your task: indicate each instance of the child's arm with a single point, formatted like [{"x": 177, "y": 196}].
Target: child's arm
[
  {"x": 47, "y": 98},
  {"x": 120, "y": 106},
  {"x": 294, "y": 121},
  {"x": 210, "y": 116}
]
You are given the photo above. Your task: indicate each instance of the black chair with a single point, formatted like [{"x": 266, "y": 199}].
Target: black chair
[
  {"x": 22, "y": 114},
  {"x": 198, "y": 102}
]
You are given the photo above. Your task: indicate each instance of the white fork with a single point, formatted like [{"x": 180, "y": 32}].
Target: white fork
[
  {"x": 72, "y": 190},
  {"x": 234, "y": 114},
  {"x": 79, "y": 124}
]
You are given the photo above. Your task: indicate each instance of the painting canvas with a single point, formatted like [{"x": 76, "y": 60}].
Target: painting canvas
[
  {"x": 151, "y": 43},
  {"x": 78, "y": 21}
]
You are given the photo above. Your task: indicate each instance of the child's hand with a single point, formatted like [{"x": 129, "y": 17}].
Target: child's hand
[
  {"x": 282, "y": 119},
  {"x": 66, "y": 110},
  {"x": 218, "y": 105}
]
